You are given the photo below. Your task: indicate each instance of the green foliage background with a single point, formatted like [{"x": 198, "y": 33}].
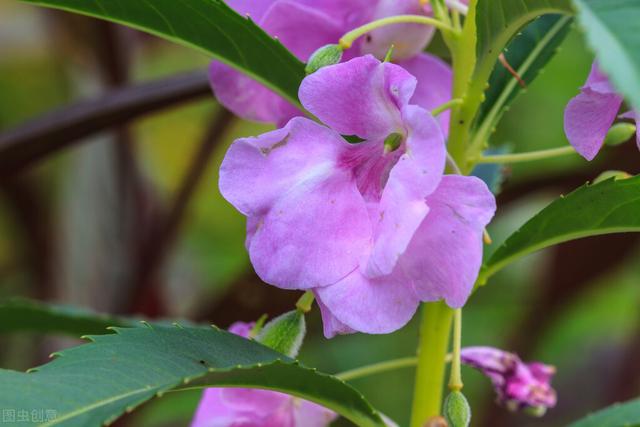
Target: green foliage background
[{"x": 41, "y": 67}]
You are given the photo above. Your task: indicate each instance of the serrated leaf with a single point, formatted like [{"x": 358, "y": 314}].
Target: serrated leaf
[
  {"x": 618, "y": 415},
  {"x": 528, "y": 53},
  {"x": 20, "y": 314},
  {"x": 612, "y": 206},
  {"x": 209, "y": 26},
  {"x": 97, "y": 382},
  {"x": 498, "y": 22},
  {"x": 612, "y": 29}
]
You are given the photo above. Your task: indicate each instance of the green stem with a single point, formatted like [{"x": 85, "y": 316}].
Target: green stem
[
  {"x": 347, "y": 40},
  {"x": 455, "y": 380},
  {"x": 526, "y": 157},
  {"x": 376, "y": 368},
  {"x": 305, "y": 302},
  {"x": 447, "y": 105},
  {"x": 432, "y": 351}
]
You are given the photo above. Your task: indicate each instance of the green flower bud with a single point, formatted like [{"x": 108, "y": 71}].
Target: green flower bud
[
  {"x": 611, "y": 174},
  {"x": 392, "y": 142},
  {"x": 456, "y": 410},
  {"x": 619, "y": 133},
  {"x": 327, "y": 55},
  {"x": 284, "y": 333}
]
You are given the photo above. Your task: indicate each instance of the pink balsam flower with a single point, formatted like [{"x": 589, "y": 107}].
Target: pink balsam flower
[
  {"x": 590, "y": 114},
  {"x": 303, "y": 26},
  {"x": 518, "y": 385},
  {"x": 239, "y": 407},
  {"x": 372, "y": 228}
]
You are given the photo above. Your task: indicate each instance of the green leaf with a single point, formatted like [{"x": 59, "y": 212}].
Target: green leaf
[
  {"x": 612, "y": 29},
  {"x": 618, "y": 415},
  {"x": 498, "y": 21},
  {"x": 95, "y": 383},
  {"x": 528, "y": 53},
  {"x": 209, "y": 26},
  {"x": 612, "y": 206},
  {"x": 25, "y": 315}
]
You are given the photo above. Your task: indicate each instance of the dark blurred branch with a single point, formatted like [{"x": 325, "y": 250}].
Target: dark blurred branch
[
  {"x": 31, "y": 211},
  {"x": 158, "y": 244},
  {"x": 22, "y": 146}
]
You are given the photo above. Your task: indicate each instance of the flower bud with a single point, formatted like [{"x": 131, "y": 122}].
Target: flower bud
[
  {"x": 457, "y": 410},
  {"x": 285, "y": 333},
  {"x": 619, "y": 133},
  {"x": 611, "y": 174},
  {"x": 327, "y": 55}
]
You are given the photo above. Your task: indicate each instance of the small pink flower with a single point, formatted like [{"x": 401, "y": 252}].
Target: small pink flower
[
  {"x": 303, "y": 26},
  {"x": 589, "y": 115},
  {"x": 239, "y": 407},
  {"x": 519, "y": 386},
  {"x": 371, "y": 230}
]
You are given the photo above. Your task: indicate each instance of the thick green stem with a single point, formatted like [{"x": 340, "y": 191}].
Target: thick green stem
[
  {"x": 455, "y": 380},
  {"x": 432, "y": 351}
]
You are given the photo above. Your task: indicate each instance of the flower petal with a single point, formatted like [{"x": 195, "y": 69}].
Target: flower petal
[
  {"x": 373, "y": 306},
  {"x": 302, "y": 29},
  {"x": 330, "y": 325},
  {"x": 247, "y": 98},
  {"x": 434, "y": 84},
  {"x": 308, "y": 219},
  {"x": 588, "y": 116},
  {"x": 408, "y": 40},
  {"x": 314, "y": 235},
  {"x": 309, "y": 414},
  {"x": 445, "y": 255},
  {"x": 360, "y": 97},
  {"x": 403, "y": 206},
  {"x": 254, "y": 8},
  {"x": 258, "y": 170},
  {"x": 303, "y": 35}
]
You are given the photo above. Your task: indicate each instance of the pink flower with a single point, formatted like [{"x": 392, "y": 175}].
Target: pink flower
[
  {"x": 372, "y": 230},
  {"x": 306, "y": 25},
  {"x": 239, "y": 407},
  {"x": 589, "y": 115},
  {"x": 519, "y": 386}
]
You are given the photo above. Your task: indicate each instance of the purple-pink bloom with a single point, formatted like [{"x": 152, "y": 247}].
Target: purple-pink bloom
[
  {"x": 591, "y": 113},
  {"x": 371, "y": 230},
  {"x": 240, "y": 407},
  {"x": 518, "y": 385},
  {"x": 303, "y": 26}
]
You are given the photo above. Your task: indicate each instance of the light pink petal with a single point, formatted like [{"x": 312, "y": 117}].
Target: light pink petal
[
  {"x": 331, "y": 326},
  {"x": 309, "y": 414},
  {"x": 445, "y": 255},
  {"x": 434, "y": 84},
  {"x": 634, "y": 116},
  {"x": 302, "y": 29},
  {"x": 313, "y": 236},
  {"x": 221, "y": 407},
  {"x": 403, "y": 206},
  {"x": 588, "y": 116},
  {"x": 247, "y": 98},
  {"x": 242, "y": 329},
  {"x": 360, "y": 97},
  {"x": 256, "y": 171},
  {"x": 350, "y": 13},
  {"x": 373, "y": 306},
  {"x": 408, "y": 39},
  {"x": 254, "y": 8},
  {"x": 310, "y": 224}
]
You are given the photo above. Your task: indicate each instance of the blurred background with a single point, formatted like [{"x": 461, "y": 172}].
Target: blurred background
[{"x": 129, "y": 221}]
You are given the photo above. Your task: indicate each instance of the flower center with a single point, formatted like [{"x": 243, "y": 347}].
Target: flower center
[{"x": 392, "y": 142}]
